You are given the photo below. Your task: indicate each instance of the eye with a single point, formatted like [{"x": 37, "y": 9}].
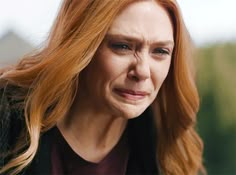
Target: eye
[
  {"x": 161, "y": 51},
  {"x": 120, "y": 46}
]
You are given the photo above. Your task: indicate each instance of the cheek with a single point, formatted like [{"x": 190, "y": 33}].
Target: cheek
[
  {"x": 110, "y": 65},
  {"x": 160, "y": 72},
  {"x": 100, "y": 67},
  {"x": 166, "y": 68}
]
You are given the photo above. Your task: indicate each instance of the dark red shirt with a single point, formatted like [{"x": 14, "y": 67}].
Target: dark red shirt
[{"x": 66, "y": 161}]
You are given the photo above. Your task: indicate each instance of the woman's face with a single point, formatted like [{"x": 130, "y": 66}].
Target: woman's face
[{"x": 132, "y": 62}]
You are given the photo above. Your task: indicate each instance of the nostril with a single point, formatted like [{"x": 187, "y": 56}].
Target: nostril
[
  {"x": 132, "y": 76},
  {"x": 135, "y": 78}
]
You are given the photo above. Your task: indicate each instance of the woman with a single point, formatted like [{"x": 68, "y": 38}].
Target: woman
[{"x": 111, "y": 93}]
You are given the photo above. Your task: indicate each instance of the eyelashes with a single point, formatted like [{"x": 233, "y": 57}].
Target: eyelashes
[
  {"x": 161, "y": 51},
  {"x": 123, "y": 47}
]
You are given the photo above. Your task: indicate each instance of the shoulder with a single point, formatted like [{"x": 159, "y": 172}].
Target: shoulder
[{"x": 41, "y": 163}]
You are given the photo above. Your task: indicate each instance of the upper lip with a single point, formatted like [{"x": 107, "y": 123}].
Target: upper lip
[{"x": 132, "y": 92}]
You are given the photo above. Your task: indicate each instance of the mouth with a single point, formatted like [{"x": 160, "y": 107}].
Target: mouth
[{"x": 130, "y": 94}]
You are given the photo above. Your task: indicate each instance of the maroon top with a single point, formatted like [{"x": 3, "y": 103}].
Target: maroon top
[{"x": 66, "y": 161}]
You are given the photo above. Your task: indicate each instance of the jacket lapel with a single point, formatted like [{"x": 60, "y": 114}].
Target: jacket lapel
[{"x": 42, "y": 162}]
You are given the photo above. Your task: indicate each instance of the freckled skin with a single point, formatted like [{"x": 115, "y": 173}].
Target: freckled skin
[{"x": 141, "y": 66}]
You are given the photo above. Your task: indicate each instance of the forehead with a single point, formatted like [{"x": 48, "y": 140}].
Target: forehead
[{"x": 143, "y": 19}]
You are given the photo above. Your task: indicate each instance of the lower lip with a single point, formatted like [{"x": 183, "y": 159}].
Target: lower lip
[{"x": 129, "y": 96}]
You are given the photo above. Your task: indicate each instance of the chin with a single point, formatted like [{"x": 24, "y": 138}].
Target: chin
[
  {"x": 131, "y": 112},
  {"x": 126, "y": 110}
]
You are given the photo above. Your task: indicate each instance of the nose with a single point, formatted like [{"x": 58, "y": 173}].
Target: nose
[{"x": 140, "y": 70}]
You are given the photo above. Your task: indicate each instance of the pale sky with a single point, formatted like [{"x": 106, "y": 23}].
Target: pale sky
[{"x": 207, "y": 20}]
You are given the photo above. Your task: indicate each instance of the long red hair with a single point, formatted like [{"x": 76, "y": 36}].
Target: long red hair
[{"x": 49, "y": 78}]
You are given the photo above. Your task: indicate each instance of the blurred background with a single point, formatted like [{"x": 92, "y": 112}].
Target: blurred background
[{"x": 25, "y": 24}]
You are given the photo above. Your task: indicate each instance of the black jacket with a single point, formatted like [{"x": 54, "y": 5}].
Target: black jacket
[{"x": 141, "y": 134}]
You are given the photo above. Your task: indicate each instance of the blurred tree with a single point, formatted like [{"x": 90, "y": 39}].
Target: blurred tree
[{"x": 217, "y": 116}]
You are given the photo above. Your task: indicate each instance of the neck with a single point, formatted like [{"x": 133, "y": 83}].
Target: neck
[{"x": 91, "y": 134}]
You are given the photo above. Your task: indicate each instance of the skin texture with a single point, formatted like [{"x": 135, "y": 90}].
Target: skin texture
[{"x": 121, "y": 81}]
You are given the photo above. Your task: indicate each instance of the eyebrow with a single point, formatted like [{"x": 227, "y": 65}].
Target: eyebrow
[{"x": 131, "y": 39}]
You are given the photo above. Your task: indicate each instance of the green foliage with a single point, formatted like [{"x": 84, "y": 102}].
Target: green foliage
[{"x": 216, "y": 79}]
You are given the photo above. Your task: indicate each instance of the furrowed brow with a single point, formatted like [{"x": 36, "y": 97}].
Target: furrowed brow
[
  {"x": 139, "y": 40},
  {"x": 124, "y": 37}
]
